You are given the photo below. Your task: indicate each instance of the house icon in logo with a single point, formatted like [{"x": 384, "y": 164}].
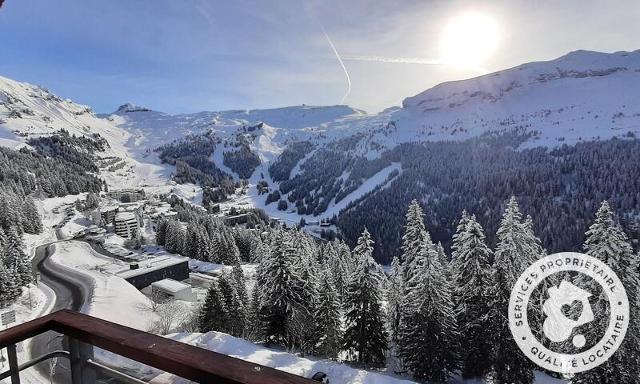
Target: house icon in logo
[{"x": 557, "y": 326}]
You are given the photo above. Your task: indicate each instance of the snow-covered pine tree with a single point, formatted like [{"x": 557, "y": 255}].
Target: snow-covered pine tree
[
  {"x": 254, "y": 323},
  {"x": 239, "y": 284},
  {"x": 533, "y": 250},
  {"x": 473, "y": 288},
  {"x": 3, "y": 245},
  {"x": 365, "y": 337},
  {"x": 174, "y": 238},
  {"x": 327, "y": 317},
  {"x": 281, "y": 290},
  {"x": 428, "y": 336},
  {"x": 235, "y": 307},
  {"x": 31, "y": 221},
  {"x": 414, "y": 240},
  {"x": 213, "y": 314},
  {"x": 510, "y": 364},
  {"x": 346, "y": 257},
  {"x": 92, "y": 201},
  {"x": 205, "y": 248},
  {"x": 229, "y": 253},
  {"x": 8, "y": 291},
  {"x": 17, "y": 260},
  {"x": 161, "y": 231},
  {"x": 455, "y": 243},
  {"x": 257, "y": 250},
  {"x": 338, "y": 268},
  {"x": 395, "y": 302},
  {"x": 442, "y": 256},
  {"x": 304, "y": 258},
  {"x": 10, "y": 214},
  {"x": 190, "y": 248},
  {"x": 606, "y": 241}
]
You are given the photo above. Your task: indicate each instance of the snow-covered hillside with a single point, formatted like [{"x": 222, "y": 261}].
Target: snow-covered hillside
[
  {"x": 580, "y": 96},
  {"x": 30, "y": 111},
  {"x": 272, "y": 128}
]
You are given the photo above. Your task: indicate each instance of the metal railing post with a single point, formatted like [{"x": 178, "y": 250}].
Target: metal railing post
[
  {"x": 12, "y": 356},
  {"x": 80, "y": 354}
]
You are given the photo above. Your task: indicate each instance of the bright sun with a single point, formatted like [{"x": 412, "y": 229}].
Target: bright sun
[{"x": 469, "y": 40}]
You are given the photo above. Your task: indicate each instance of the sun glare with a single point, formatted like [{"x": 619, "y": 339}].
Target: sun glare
[{"x": 469, "y": 40}]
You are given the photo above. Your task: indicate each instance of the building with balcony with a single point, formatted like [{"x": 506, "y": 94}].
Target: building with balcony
[{"x": 126, "y": 225}]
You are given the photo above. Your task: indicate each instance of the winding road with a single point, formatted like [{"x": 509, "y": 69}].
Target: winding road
[{"x": 72, "y": 290}]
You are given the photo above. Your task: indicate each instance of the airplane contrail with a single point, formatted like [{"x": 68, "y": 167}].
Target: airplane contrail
[{"x": 344, "y": 68}]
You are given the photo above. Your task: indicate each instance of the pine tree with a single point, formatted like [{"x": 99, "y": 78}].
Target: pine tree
[
  {"x": 174, "y": 238},
  {"x": 414, "y": 240},
  {"x": 327, "y": 317},
  {"x": 510, "y": 364},
  {"x": 282, "y": 287},
  {"x": 456, "y": 240},
  {"x": 365, "y": 337},
  {"x": 532, "y": 250},
  {"x": 92, "y": 201},
  {"x": 17, "y": 260},
  {"x": 31, "y": 221},
  {"x": 442, "y": 257},
  {"x": 161, "y": 231},
  {"x": 395, "y": 302},
  {"x": 339, "y": 269},
  {"x": 254, "y": 323},
  {"x": 235, "y": 307},
  {"x": 8, "y": 291},
  {"x": 427, "y": 334},
  {"x": 213, "y": 314},
  {"x": 191, "y": 244},
  {"x": 304, "y": 335},
  {"x": 3, "y": 245},
  {"x": 606, "y": 241},
  {"x": 473, "y": 283},
  {"x": 239, "y": 283},
  {"x": 10, "y": 214}
]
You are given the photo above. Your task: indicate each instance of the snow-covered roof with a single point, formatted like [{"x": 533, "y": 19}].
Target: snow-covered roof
[
  {"x": 170, "y": 285},
  {"x": 124, "y": 216},
  {"x": 108, "y": 207},
  {"x": 154, "y": 265}
]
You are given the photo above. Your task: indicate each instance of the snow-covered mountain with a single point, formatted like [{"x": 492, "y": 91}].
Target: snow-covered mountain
[
  {"x": 272, "y": 129},
  {"x": 30, "y": 111},
  {"x": 581, "y": 96}
]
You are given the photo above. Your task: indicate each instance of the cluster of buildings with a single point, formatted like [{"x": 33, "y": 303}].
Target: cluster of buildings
[{"x": 127, "y": 209}]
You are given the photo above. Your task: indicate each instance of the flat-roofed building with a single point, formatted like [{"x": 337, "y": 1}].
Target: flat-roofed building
[{"x": 174, "y": 289}]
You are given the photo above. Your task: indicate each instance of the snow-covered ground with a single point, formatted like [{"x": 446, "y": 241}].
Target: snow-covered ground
[
  {"x": 114, "y": 299},
  {"x": 35, "y": 301},
  {"x": 245, "y": 350}
]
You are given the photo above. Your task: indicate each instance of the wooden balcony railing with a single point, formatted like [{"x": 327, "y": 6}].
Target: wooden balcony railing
[{"x": 84, "y": 332}]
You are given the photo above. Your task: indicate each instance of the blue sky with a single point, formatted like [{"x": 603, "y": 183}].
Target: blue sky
[{"x": 192, "y": 55}]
